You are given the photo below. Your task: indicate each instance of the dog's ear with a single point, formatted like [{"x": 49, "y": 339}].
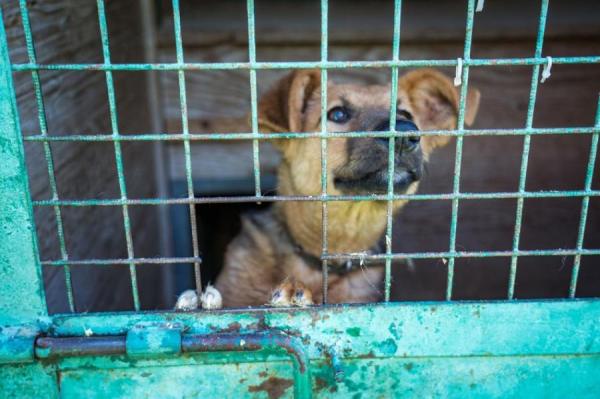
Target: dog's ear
[
  {"x": 435, "y": 100},
  {"x": 283, "y": 108}
]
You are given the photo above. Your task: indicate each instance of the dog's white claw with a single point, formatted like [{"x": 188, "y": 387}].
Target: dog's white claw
[
  {"x": 188, "y": 300},
  {"x": 211, "y": 298},
  {"x": 282, "y": 295},
  {"x": 302, "y": 296}
]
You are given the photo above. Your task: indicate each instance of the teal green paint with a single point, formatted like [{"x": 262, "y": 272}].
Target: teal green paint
[
  {"x": 186, "y": 143},
  {"x": 324, "y": 154},
  {"x": 387, "y": 347},
  {"x": 157, "y": 136},
  {"x": 149, "y": 341},
  {"x": 16, "y": 344},
  {"x": 253, "y": 96},
  {"x": 526, "y": 148},
  {"x": 564, "y": 327},
  {"x": 33, "y": 381},
  {"x": 460, "y": 125},
  {"x": 391, "y": 149},
  {"x": 423, "y": 348},
  {"x": 180, "y": 381},
  {"x": 373, "y": 197},
  {"x": 21, "y": 291},
  {"x": 204, "y": 66},
  {"x": 353, "y": 331}
]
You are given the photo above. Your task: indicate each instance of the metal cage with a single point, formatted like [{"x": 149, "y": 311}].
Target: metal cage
[{"x": 504, "y": 348}]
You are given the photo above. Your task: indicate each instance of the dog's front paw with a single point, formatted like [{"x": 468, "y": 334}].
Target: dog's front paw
[
  {"x": 291, "y": 294},
  {"x": 188, "y": 300},
  {"x": 211, "y": 298},
  {"x": 302, "y": 296}
]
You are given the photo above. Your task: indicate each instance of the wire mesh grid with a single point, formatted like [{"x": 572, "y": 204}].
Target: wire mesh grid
[{"x": 463, "y": 65}]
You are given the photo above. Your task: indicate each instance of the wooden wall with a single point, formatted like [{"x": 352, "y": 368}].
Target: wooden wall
[
  {"x": 216, "y": 31},
  {"x": 76, "y": 103}
]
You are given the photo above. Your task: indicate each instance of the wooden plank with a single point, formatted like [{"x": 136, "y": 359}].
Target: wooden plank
[{"x": 356, "y": 22}]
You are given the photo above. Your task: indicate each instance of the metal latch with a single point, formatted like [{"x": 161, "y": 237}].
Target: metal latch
[{"x": 149, "y": 341}]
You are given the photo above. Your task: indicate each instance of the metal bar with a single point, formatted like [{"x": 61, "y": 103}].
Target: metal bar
[
  {"x": 459, "y": 143},
  {"x": 324, "y": 213},
  {"x": 465, "y": 254},
  {"x": 196, "y": 66},
  {"x": 526, "y": 147},
  {"x": 269, "y": 342},
  {"x": 253, "y": 97},
  {"x": 346, "y": 256},
  {"x": 309, "y": 135},
  {"x": 274, "y": 198},
  {"x": 392, "y": 149},
  {"x": 54, "y": 348},
  {"x": 109, "y": 262},
  {"x": 186, "y": 145},
  {"x": 112, "y": 105},
  {"x": 148, "y": 10},
  {"x": 22, "y": 299},
  {"x": 37, "y": 88},
  {"x": 589, "y": 176}
]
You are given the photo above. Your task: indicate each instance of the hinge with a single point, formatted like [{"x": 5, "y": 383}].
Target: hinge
[{"x": 152, "y": 341}]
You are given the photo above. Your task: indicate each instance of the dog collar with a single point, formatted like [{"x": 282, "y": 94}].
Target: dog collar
[{"x": 341, "y": 266}]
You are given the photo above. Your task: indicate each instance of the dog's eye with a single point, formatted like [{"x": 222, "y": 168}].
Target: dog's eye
[{"x": 338, "y": 115}]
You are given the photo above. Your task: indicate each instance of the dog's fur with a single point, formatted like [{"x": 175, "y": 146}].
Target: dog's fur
[{"x": 265, "y": 253}]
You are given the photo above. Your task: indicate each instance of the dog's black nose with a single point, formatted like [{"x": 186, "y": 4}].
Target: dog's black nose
[{"x": 402, "y": 125}]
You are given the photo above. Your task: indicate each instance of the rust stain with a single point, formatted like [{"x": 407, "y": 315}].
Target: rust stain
[
  {"x": 369, "y": 355},
  {"x": 320, "y": 384},
  {"x": 260, "y": 324},
  {"x": 273, "y": 386},
  {"x": 232, "y": 327}
]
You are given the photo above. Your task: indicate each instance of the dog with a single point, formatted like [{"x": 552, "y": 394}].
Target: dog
[{"x": 275, "y": 259}]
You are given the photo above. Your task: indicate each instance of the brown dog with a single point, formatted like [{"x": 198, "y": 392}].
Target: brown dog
[{"x": 275, "y": 258}]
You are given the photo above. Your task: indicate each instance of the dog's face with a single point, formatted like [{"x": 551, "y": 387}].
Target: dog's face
[{"x": 427, "y": 100}]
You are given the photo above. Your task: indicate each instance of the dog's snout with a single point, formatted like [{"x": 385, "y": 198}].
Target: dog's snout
[
  {"x": 383, "y": 126},
  {"x": 402, "y": 125}
]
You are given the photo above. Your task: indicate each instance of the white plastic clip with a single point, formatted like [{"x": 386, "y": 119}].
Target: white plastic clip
[
  {"x": 480, "y": 5},
  {"x": 458, "y": 73},
  {"x": 546, "y": 72}
]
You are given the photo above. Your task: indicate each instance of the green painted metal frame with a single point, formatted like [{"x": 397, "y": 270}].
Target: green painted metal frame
[{"x": 335, "y": 350}]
